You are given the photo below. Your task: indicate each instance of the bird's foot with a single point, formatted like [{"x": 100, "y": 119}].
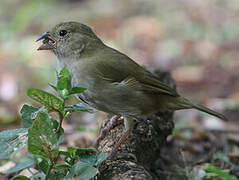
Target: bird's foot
[{"x": 110, "y": 124}]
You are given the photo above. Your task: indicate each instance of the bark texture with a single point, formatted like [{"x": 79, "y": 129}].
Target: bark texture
[{"x": 142, "y": 147}]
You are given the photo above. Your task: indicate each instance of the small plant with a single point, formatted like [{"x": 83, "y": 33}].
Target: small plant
[
  {"x": 214, "y": 172},
  {"x": 43, "y": 135}
]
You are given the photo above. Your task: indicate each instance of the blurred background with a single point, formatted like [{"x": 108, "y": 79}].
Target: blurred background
[{"x": 197, "y": 41}]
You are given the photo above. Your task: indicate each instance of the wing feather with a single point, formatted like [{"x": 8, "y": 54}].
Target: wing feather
[{"x": 120, "y": 69}]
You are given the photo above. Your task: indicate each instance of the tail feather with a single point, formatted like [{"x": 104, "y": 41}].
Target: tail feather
[
  {"x": 209, "y": 111},
  {"x": 188, "y": 104}
]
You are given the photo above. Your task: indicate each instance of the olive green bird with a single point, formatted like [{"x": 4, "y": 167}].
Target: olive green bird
[{"x": 115, "y": 83}]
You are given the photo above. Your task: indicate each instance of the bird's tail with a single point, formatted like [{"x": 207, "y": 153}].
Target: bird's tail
[{"x": 188, "y": 105}]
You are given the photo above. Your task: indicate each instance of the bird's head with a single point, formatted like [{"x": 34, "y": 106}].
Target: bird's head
[{"x": 68, "y": 38}]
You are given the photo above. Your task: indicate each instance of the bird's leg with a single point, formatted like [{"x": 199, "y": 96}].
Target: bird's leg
[
  {"x": 129, "y": 125},
  {"x": 110, "y": 124}
]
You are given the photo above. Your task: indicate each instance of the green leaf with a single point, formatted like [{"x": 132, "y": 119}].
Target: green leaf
[
  {"x": 62, "y": 166},
  {"x": 64, "y": 94},
  {"x": 89, "y": 159},
  {"x": 100, "y": 158},
  {"x": 71, "y": 151},
  {"x": 77, "y": 90},
  {"x": 50, "y": 101},
  {"x": 20, "y": 178},
  {"x": 64, "y": 87},
  {"x": 64, "y": 80},
  {"x": 23, "y": 165},
  {"x": 74, "y": 154},
  {"x": 43, "y": 164},
  {"x": 82, "y": 170},
  {"x": 219, "y": 173},
  {"x": 93, "y": 159},
  {"x": 12, "y": 141},
  {"x": 43, "y": 139},
  {"x": 78, "y": 107},
  {"x": 53, "y": 87},
  {"x": 29, "y": 114}
]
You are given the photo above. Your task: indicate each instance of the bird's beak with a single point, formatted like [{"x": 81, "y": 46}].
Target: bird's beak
[{"x": 48, "y": 42}]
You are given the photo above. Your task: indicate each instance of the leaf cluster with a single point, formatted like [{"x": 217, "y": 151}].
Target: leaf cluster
[{"x": 42, "y": 134}]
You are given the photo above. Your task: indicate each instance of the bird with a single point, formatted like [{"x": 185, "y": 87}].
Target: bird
[{"x": 114, "y": 83}]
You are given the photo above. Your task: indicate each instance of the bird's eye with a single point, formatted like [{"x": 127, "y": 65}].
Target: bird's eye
[{"x": 62, "y": 32}]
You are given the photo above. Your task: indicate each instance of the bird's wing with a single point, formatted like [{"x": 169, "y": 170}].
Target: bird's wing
[
  {"x": 152, "y": 84},
  {"x": 125, "y": 71}
]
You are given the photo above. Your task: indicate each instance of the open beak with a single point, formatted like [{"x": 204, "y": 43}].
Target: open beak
[{"x": 48, "y": 42}]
